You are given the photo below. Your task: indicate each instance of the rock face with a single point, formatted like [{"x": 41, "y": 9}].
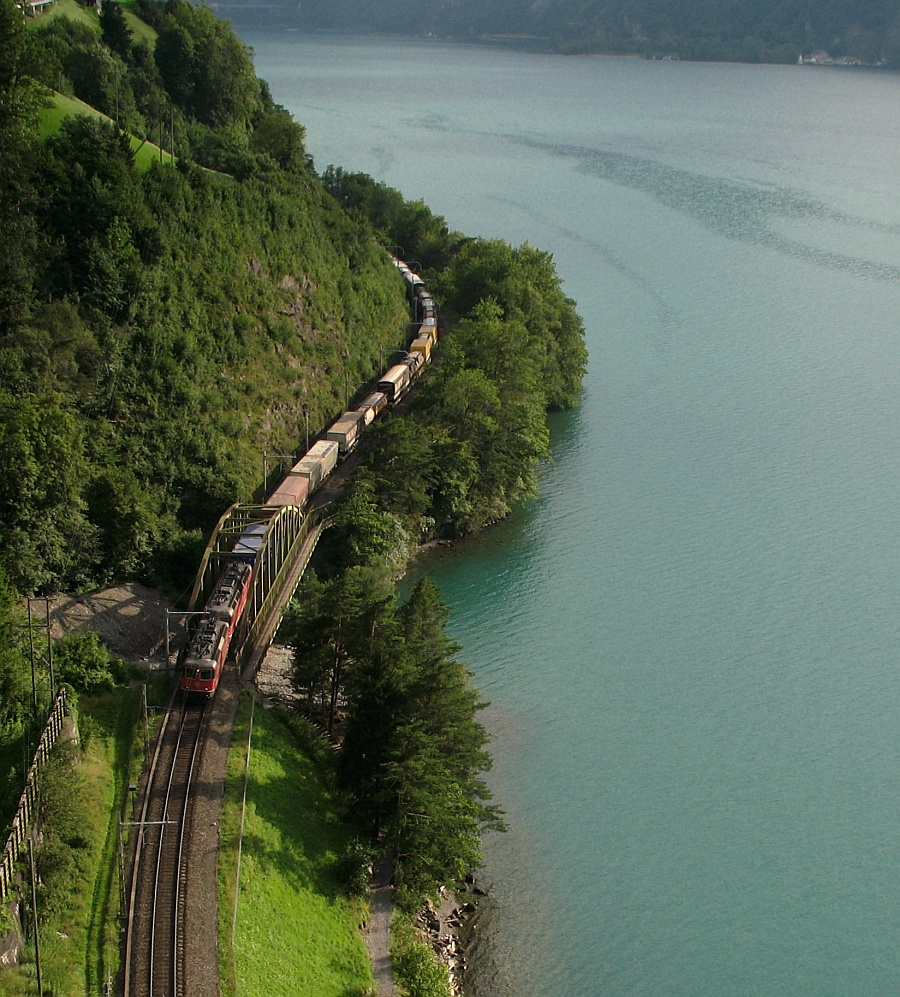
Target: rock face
[{"x": 11, "y": 944}]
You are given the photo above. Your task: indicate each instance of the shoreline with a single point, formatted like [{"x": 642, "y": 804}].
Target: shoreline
[{"x": 447, "y": 926}]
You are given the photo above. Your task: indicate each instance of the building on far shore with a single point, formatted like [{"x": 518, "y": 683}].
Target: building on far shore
[
  {"x": 33, "y": 7},
  {"x": 821, "y": 58}
]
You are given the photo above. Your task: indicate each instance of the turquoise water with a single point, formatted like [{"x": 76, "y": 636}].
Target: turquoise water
[{"x": 689, "y": 640}]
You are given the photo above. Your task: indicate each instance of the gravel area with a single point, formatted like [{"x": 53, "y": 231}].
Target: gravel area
[
  {"x": 130, "y": 619},
  {"x": 378, "y": 938},
  {"x": 201, "y": 898},
  {"x": 273, "y": 680}
]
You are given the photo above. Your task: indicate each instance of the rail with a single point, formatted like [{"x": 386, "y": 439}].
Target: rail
[{"x": 154, "y": 942}]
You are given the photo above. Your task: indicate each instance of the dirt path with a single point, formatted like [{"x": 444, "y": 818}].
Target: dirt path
[{"x": 378, "y": 938}]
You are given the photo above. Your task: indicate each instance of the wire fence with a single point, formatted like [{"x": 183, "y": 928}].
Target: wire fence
[{"x": 28, "y": 802}]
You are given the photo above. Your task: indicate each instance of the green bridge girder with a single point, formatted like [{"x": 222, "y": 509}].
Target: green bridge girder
[{"x": 288, "y": 540}]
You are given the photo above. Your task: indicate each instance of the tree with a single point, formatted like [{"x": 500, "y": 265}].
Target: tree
[
  {"x": 402, "y": 451},
  {"x": 46, "y": 538},
  {"x": 20, "y": 99},
  {"x": 114, "y": 28},
  {"x": 366, "y": 535},
  {"x": 175, "y": 59},
  {"x": 374, "y": 711},
  {"x": 130, "y": 526},
  {"x": 277, "y": 135},
  {"x": 19, "y": 96},
  {"x": 326, "y": 625},
  {"x": 206, "y": 68},
  {"x": 414, "y": 750},
  {"x": 15, "y": 691}
]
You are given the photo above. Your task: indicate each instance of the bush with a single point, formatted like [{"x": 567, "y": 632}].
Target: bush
[
  {"x": 85, "y": 664},
  {"x": 354, "y": 868},
  {"x": 63, "y": 853},
  {"x": 416, "y": 967}
]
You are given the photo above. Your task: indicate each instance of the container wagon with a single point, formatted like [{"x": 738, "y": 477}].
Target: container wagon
[
  {"x": 317, "y": 463},
  {"x": 395, "y": 382},
  {"x": 293, "y": 490},
  {"x": 345, "y": 431},
  {"x": 372, "y": 406},
  {"x": 421, "y": 344}
]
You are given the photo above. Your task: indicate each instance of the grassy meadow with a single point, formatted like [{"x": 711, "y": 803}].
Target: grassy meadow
[
  {"x": 296, "y": 931},
  {"x": 79, "y": 925},
  {"x": 63, "y": 106}
]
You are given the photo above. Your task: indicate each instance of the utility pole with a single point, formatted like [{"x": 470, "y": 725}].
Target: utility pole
[
  {"x": 50, "y": 651},
  {"x": 31, "y": 650},
  {"x": 146, "y": 718},
  {"x": 37, "y": 942},
  {"x": 32, "y": 623},
  {"x": 175, "y": 612}
]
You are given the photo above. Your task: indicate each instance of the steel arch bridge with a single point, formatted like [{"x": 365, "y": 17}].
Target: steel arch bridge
[{"x": 289, "y": 538}]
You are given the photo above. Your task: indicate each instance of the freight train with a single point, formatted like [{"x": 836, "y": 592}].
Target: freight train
[{"x": 211, "y": 639}]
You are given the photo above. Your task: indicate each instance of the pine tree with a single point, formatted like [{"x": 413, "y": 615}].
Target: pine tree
[
  {"x": 414, "y": 749},
  {"x": 114, "y": 28}
]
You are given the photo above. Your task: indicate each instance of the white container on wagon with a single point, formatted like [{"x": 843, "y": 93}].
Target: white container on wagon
[{"x": 317, "y": 463}]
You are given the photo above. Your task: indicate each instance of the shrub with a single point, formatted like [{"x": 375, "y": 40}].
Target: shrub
[
  {"x": 85, "y": 664},
  {"x": 354, "y": 868},
  {"x": 416, "y": 967}
]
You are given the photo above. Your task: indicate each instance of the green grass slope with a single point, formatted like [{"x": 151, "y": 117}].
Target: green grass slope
[
  {"x": 70, "y": 9},
  {"x": 52, "y": 117},
  {"x": 79, "y": 928},
  {"x": 290, "y": 901}
]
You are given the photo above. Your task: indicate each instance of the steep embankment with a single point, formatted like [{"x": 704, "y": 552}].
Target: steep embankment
[{"x": 161, "y": 329}]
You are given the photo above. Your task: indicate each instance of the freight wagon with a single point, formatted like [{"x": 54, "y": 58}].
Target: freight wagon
[
  {"x": 345, "y": 431},
  {"x": 395, "y": 382},
  {"x": 317, "y": 463},
  {"x": 372, "y": 406}
]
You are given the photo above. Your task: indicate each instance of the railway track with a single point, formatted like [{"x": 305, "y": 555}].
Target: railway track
[{"x": 154, "y": 964}]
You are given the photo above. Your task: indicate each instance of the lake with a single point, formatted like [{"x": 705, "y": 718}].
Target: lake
[{"x": 689, "y": 640}]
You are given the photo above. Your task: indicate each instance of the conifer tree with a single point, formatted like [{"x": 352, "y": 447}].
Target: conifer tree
[
  {"x": 414, "y": 749},
  {"x": 114, "y": 28}
]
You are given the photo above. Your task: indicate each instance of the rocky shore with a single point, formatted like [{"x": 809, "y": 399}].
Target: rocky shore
[{"x": 447, "y": 925}]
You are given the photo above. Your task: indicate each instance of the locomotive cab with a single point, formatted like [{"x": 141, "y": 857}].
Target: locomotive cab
[{"x": 206, "y": 655}]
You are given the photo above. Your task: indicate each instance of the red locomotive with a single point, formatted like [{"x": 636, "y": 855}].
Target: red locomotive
[{"x": 209, "y": 646}]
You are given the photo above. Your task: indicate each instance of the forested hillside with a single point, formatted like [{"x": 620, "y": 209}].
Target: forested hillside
[
  {"x": 163, "y": 326},
  {"x": 161, "y": 329},
  {"x": 743, "y": 31}
]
